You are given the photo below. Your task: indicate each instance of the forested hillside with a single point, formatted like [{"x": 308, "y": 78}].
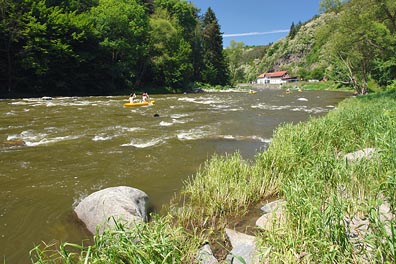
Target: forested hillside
[
  {"x": 352, "y": 43},
  {"x": 92, "y": 47}
]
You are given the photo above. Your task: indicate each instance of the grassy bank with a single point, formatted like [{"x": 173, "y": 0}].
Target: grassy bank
[
  {"x": 324, "y": 192},
  {"x": 304, "y": 165}
]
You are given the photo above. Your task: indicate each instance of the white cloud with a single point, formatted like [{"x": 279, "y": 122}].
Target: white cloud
[{"x": 255, "y": 33}]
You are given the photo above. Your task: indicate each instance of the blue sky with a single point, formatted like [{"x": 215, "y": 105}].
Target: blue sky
[{"x": 258, "y": 22}]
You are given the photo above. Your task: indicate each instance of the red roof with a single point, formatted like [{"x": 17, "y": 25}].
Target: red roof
[{"x": 273, "y": 74}]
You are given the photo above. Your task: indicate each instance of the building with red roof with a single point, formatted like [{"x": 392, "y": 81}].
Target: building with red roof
[{"x": 278, "y": 77}]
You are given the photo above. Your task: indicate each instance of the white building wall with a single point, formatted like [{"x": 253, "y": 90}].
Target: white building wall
[
  {"x": 276, "y": 81},
  {"x": 260, "y": 80},
  {"x": 266, "y": 80}
]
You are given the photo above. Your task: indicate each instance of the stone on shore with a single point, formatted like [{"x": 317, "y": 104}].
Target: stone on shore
[
  {"x": 273, "y": 214},
  {"x": 366, "y": 153},
  {"x": 243, "y": 246},
  {"x": 205, "y": 256},
  {"x": 122, "y": 204},
  {"x": 270, "y": 207}
]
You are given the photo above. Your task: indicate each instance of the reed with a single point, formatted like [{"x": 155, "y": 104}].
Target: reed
[{"x": 226, "y": 186}]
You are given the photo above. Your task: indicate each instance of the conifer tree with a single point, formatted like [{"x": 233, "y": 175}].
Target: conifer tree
[
  {"x": 215, "y": 70},
  {"x": 292, "y": 32}
]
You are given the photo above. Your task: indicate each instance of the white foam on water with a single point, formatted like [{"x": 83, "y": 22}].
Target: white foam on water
[
  {"x": 102, "y": 138},
  {"x": 113, "y": 132},
  {"x": 302, "y": 108},
  {"x": 61, "y": 101},
  {"x": 176, "y": 116},
  {"x": 299, "y": 109},
  {"x": 49, "y": 140},
  {"x": 32, "y": 138},
  {"x": 234, "y": 109},
  {"x": 221, "y": 107},
  {"x": 187, "y": 99},
  {"x": 143, "y": 143},
  {"x": 261, "y": 139},
  {"x": 11, "y": 113},
  {"x": 201, "y": 100},
  {"x": 127, "y": 129},
  {"x": 302, "y": 99},
  {"x": 163, "y": 123},
  {"x": 189, "y": 136},
  {"x": 50, "y": 104},
  {"x": 248, "y": 138},
  {"x": 176, "y": 121},
  {"x": 20, "y": 103},
  {"x": 271, "y": 107},
  {"x": 196, "y": 133},
  {"x": 9, "y": 127},
  {"x": 12, "y": 137},
  {"x": 314, "y": 110}
]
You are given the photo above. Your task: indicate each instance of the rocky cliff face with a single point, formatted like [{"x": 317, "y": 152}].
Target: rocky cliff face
[{"x": 303, "y": 50}]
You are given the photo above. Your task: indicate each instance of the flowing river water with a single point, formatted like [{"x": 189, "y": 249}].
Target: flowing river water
[{"x": 77, "y": 145}]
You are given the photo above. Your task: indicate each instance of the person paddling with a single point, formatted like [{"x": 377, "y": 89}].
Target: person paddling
[
  {"x": 145, "y": 97},
  {"x": 132, "y": 97}
]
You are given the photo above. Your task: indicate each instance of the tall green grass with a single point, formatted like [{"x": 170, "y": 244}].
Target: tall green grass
[
  {"x": 157, "y": 242},
  {"x": 323, "y": 191},
  {"x": 226, "y": 186}
]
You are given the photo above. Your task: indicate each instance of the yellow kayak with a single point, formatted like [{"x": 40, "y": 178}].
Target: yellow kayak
[
  {"x": 252, "y": 92},
  {"x": 139, "y": 103}
]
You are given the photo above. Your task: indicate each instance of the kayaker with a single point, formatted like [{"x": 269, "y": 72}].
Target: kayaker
[
  {"x": 132, "y": 97},
  {"x": 145, "y": 97}
]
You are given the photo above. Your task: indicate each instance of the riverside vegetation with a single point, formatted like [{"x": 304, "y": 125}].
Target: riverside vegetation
[
  {"x": 351, "y": 43},
  {"x": 304, "y": 165},
  {"x": 107, "y": 47}
]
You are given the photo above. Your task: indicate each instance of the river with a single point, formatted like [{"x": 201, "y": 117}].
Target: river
[{"x": 78, "y": 145}]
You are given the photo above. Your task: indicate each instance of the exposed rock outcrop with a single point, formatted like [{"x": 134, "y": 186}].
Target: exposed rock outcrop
[{"x": 102, "y": 209}]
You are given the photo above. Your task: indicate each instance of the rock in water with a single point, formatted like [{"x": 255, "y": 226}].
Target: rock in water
[{"x": 122, "y": 204}]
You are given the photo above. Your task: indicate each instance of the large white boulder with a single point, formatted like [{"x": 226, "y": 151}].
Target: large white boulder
[{"x": 122, "y": 204}]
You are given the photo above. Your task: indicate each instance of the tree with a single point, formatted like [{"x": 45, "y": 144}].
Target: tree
[
  {"x": 12, "y": 35},
  {"x": 235, "y": 58},
  {"x": 362, "y": 44},
  {"x": 331, "y": 6},
  {"x": 122, "y": 28},
  {"x": 170, "y": 53},
  {"x": 384, "y": 14},
  {"x": 185, "y": 18},
  {"x": 214, "y": 69},
  {"x": 292, "y": 31}
]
